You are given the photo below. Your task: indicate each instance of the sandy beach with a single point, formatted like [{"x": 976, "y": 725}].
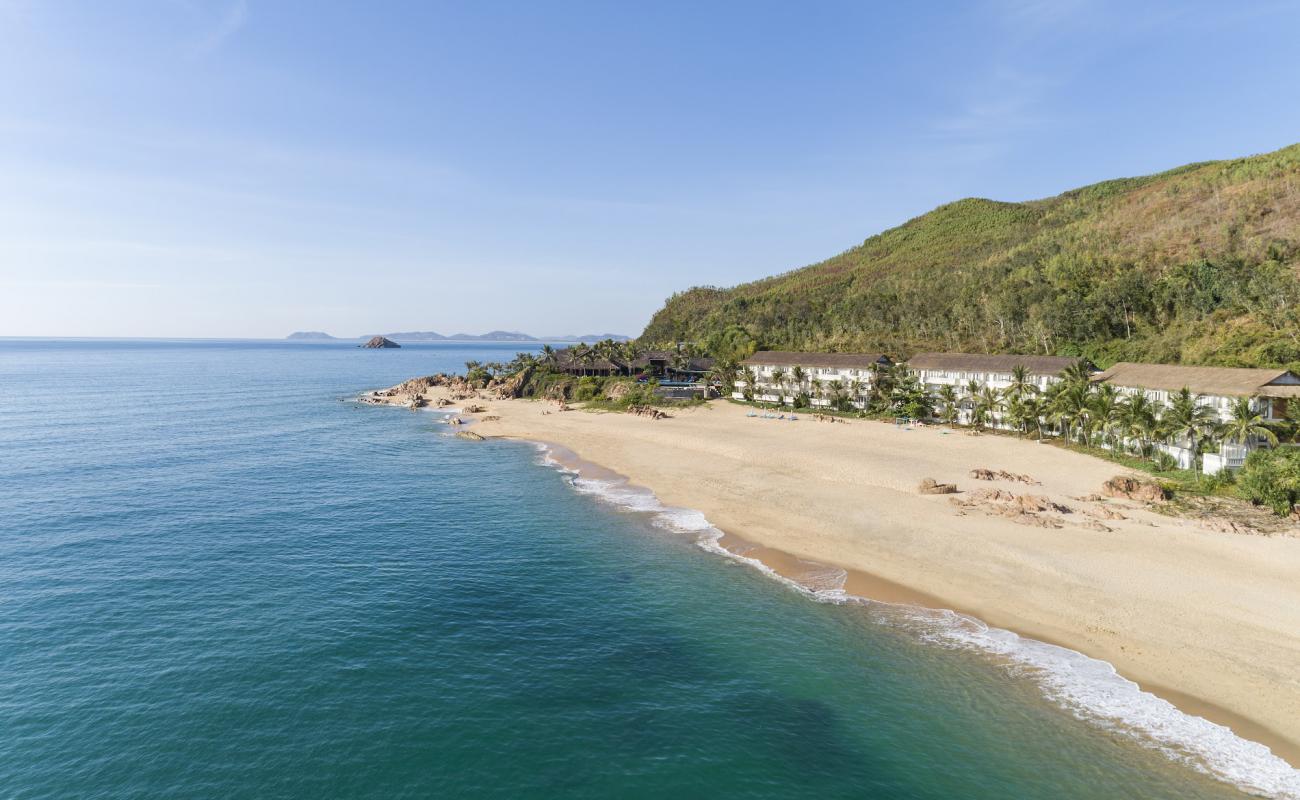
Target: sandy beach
[{"x": 1207, "y": 619}]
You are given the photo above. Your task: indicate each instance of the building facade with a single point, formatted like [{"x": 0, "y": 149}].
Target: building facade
[
  {"x": 781, "y": 376},
  {"x": 960, "y": 370},
  {"x": 1270, "y": 391}
]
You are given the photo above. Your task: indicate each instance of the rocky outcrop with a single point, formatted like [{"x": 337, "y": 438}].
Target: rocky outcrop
[
  {"x": 1130, "y": 488},
  {"x": 511, "y": 387},
  {"x": 931, "y": 486},
  {"x": 1022, "y": 509},
  {"x": 470, "y": 435},
  {"x": 377, "y": 342},
  {"x": 981, "y": 474},
  {"x": 647, "y": 411},
  {"x": 617, "y": 391}
]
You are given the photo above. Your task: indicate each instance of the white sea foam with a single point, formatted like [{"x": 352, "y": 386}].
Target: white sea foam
[{"x": 1088, "y": 688}]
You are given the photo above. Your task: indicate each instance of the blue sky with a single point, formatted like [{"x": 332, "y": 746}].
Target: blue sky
[{"x": 253, "y": 167}]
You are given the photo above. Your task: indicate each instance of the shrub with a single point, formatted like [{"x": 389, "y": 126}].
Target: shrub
[
  {"x": 1272, "y": 478},
  {"x": 1164, "y": 462},
  {"x": 588, "y": 388}
]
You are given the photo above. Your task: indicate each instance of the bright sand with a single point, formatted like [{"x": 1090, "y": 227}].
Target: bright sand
[{"x": 1208, "y": 620}]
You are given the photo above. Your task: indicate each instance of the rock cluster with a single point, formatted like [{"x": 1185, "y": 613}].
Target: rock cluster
[
  {"x": 931, "y": 486},
  {"x": 647, "y": 411},
  {"x": 982, "y": 474},
  {"x": 1023, "y": 509},
  {"x": 376, "y": 342},
  {"x": 1130, "y": 488}
]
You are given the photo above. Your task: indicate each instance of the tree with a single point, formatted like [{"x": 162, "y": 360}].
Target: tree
[
  {"x": 882, "y": 386},
  {"x": 1272, "y": 478},
  {"x": 856, "y": 387},
  {"x": 798, "y": 375},
  {"x": 1140, "y": 421},
  {"x": 1021, "y": 385},
  {"x": 1188, "y": 420},
  {"x": 1033, "y": 409},
  {"x": 840, "y": 395},
  {"x": 909, "y": 397},
  {"x": 1245, "y": 423},
  {"x": 1017, "y": 413},
  {"x": 1070, "y": 408},
  {"x": 579, "y": 355},
  {"x": 988, "y": 402},
  {"x": 1106, "y": 410},
  {"x": 549, "y": 357},
  {"x": 1078, "y": 373},
  {"x": 778, "y": 380},
  {"x": 951, "y": 404},
  {"x": 748, "y": 376}
]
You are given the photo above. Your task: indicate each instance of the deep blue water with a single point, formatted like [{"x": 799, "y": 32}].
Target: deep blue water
[{"x": 219, "y": 579}]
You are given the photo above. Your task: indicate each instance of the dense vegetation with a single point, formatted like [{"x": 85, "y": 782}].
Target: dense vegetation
[{"x": 1197, "y": 265}]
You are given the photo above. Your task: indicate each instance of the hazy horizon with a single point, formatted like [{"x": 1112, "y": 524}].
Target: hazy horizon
[{"x": 238, "y": 168}]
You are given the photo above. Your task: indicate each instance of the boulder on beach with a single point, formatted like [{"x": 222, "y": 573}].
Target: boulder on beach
[
  {"x": 376, "y": 342},
  {"x": 931, "y": 486},
  {"x": 1130, "y": 488},
  {"x": 470, "y": 435}
]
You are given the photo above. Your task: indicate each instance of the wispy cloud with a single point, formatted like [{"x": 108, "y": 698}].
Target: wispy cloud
[{"x": 232, "y": 19}]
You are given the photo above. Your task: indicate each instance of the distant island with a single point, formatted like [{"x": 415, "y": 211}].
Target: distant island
[
  {"x": 433, "y": 336},
  {"x": 379, "y": 342}
]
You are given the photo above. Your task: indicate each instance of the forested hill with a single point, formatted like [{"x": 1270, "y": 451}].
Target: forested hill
[{"x": 1199, "y": 265}]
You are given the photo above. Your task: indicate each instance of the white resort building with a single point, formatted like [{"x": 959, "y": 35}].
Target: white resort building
[
  {"x": 1269, "y": 390},
  {"x": 780, "y": 376},
  {"x": 936, "y": 370}
]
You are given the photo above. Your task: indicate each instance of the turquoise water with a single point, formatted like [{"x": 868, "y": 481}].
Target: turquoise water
[{"x": 219, "y": 579}]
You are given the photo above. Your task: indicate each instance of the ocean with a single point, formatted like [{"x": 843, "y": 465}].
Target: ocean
[{"x": 222, "y": 577}]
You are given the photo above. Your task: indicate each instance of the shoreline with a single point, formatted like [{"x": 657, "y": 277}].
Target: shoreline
[
  {"x": 862, "y": 585},
  {"x": 1203, "y": 620}
]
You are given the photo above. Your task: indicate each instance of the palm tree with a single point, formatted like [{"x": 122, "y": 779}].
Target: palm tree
[
  {"x": 1078, "y": 373},
  {"x": 1070, "y": 408},
  {"x": 1021, "y": 385},
  {"x": 1140, "y": 420},
  {"x": 856, "y": 387},
  {"x": 549, "y": 357},
  {"x": 578, "y": 356},
  {"x": 1245, "y": 423},
  {"x": 987, "y": 404},
  {"x": 815, "y": 389},
  {"x": 1016, "y": 414},
  {"x": 723, "y": 374},
  {"x": 1033, "y": 409},
  {"x": 839, "y": 394},
  {"x": 607, "y": 350},
  {"x": 1188, "y": 419},
  {"x": 1106, "y": 412},
  {"x": 798, "y": 375},
  {"x": 948, "y": 397},
  {"x": 747, "y": 375},
  {"x": 778, "y": 380}
]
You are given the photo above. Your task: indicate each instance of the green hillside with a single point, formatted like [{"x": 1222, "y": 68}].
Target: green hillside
[{"x": 1199, "y": 265}]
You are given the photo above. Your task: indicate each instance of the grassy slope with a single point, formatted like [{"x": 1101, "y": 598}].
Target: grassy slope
[{"x": 1197, "y": 264}]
